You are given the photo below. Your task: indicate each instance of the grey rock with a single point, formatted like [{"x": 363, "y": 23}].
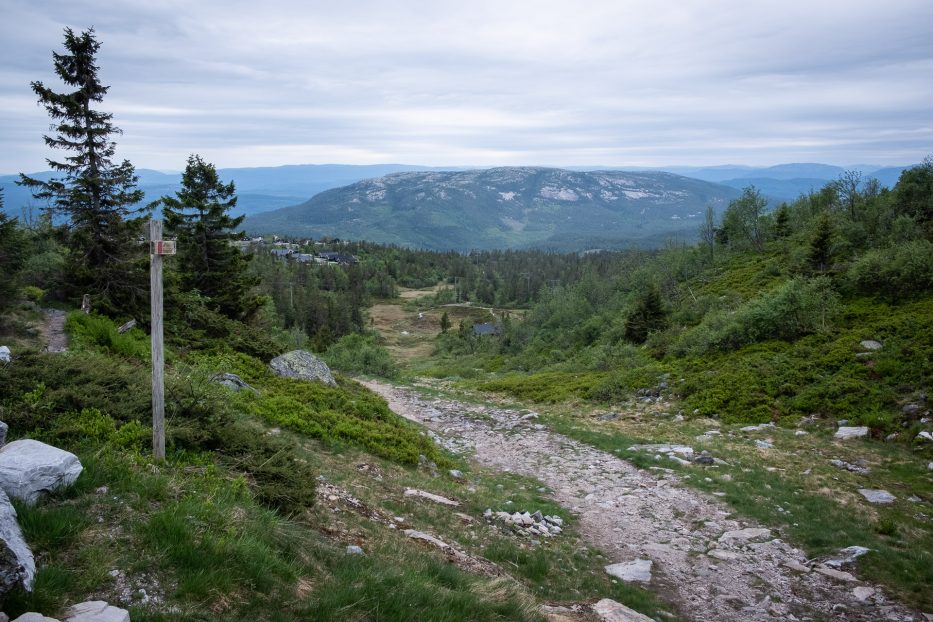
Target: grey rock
[
  {"x": 28, "y": 468},
  {"x": 911, "y": 409},
  {"x": 4, "y": 428},
  {"x": 877, "y": 496},
  {"x": 352, "y": 549},
  {"x": 456, "y": 474},
  {"x": 704, "y": 460},
  {"x": 665, "y": 448},
  {"x": 846, "y": 432},
  {"x": 760, "y": 444},
  {"x": 744, "y": 535},
  {"x": 756, "y": 428},
  {"x": 846, "y": 556},
  {"x": 232, "y": 381},
  {"x": 610, "y": 611},
  {"x": 871, "y": 345},
  {"x": 863, "y": 593},
  {"x": 638, "y": 570},
  {"x": 17, "y": 566},
  {"x": 925, "y": 436},
  {"x": 96, "y": 611},
  {"x": 413, "y": 492},
  {"x": 34, "y": 617},
  {"x": 5, "y": 354},
  {"x": 538, "y": 516},
  {"x": 930, "y": 466},
  {"x": 839, "y": 575},
  {"x": 303, "y": 365},
  {"x": 848, "y": 466}
]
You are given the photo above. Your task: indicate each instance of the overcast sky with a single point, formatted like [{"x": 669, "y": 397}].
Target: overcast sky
[{"x": 615, "y": 83}]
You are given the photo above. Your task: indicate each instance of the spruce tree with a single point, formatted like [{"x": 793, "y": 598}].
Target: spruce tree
[
  {"x": 820, "y": 251},
  {"x": 97, "y": 195},
  {"x": 648, "y": 316},
  {"x": 199, "y": 215}
]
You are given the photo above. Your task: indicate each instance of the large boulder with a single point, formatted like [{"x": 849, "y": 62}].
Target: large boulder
[
  {"x": 303, "y": 365},
  {"x": 29, "y": 468},
  {"x": 96, "y": 611},
  {"x": 17, "y": 566}
]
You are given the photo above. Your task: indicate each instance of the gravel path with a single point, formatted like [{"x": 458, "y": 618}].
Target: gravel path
[
  {"x": 710, "y": 564},
  {"x": 54, "y": 330}
]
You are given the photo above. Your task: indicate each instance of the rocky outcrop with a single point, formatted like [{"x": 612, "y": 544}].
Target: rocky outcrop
[
  {"x": 232, "y": 381},
  {"x": 610, "y": 611},
  {"x": 303, "y": 365},
  {"x": 91, "y": 611},
  {"x": 17, "y": 566},
  {"x": 29, "y": 468}
]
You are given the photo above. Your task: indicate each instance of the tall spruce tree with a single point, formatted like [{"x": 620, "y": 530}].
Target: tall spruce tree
[
  {"x": 97, "y": 195},
  {"x": 199, "y": 215}
]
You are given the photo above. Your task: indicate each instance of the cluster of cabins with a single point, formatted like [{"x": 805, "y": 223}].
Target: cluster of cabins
[
  {"x": 290, "y": 251},
  {"x": 324, "y": 257}
]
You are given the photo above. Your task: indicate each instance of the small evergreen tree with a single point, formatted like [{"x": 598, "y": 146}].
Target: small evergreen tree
[
  {"x": 648, "y": 316},
  {"x": 445, "y": 322},
  {"x": 199, "y": 215},
  {"x": 821, "y": 246},
  {"x": 96, "y": 194},
  {"x": 12, "y": 257},
  {"x": 782, "y": 222}
]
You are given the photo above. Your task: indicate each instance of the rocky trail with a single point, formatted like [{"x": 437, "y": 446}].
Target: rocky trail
[
  {"x": 53, "y": 329},
  {"x": 681, "y": 543}
]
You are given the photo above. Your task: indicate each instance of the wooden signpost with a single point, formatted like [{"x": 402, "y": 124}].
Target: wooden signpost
[{"x": 157, "y": 248}]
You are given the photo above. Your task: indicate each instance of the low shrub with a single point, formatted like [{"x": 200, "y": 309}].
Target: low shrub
[{"x": 361, "y": 354}]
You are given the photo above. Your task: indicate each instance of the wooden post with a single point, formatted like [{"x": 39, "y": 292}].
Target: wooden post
[{"x": 158, "y": 354}]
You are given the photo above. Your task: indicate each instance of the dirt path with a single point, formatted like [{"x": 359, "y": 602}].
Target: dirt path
[
  {"x": 710, "y": 564},
  {"x": 53, "y": 328}
]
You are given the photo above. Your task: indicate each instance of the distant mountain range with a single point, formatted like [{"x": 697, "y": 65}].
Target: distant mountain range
[
  {"x": 258, "y": 189},
  {"x": 276, "y": 199},
  {"x": 505, "y": 208}
]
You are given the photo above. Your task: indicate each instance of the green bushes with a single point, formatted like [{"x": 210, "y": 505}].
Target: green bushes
[
  {"x": 96, "y": 331},
  {"x": 896, "y": 272},
  {"x": 796, "y": 308},
  {"x": 346, "y": 414},
  {"x": 361, "y": 354},
  {"x": 547, "y": 387}
]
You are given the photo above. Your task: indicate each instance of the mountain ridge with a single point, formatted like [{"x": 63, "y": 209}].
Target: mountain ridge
[{"x": 504, "y": 207}]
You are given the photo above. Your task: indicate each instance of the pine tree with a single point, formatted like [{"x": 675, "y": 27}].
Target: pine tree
[
  {"x": 96, "y": 194},
  {"x": 445, "y": 322},
  {"x": 199, "y": 215},
  {"x": 12, "y": 257}
]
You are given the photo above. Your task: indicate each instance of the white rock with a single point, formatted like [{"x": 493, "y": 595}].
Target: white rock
[
  {"x": 412, "y": 492},
  {"x": 96, "y": 611},
  {"x": 29, "y": 468},
  {"x": 610, "y": 611},
  {"x": 835, "y": 574},
  {"x": 637, "y": 570},
  {"x": 744, "y": 535},
  {"x": 723, "y": 555},
  {"x": 870, "y": 344},
  {"x": 17, "y": 566},
  {"x": 353, "y": 549},
  {"x": 683, "y": 450},
  {"x": 34, "y": 617},
  {"x": 5, "y": 354},
  {"x": 863, "y": 593},
  {"x": 925, "y": 436},
  {"x": 847, "y": 432},
  {"x": 756, "y": 428},
  {"x": 877, "y": 496},
  {"x": 848, "y": 555},
  {"x": 760, "y": 444}
]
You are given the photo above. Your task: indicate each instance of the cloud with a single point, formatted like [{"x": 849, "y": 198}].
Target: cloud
[{"x": 507, "y": 82}]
